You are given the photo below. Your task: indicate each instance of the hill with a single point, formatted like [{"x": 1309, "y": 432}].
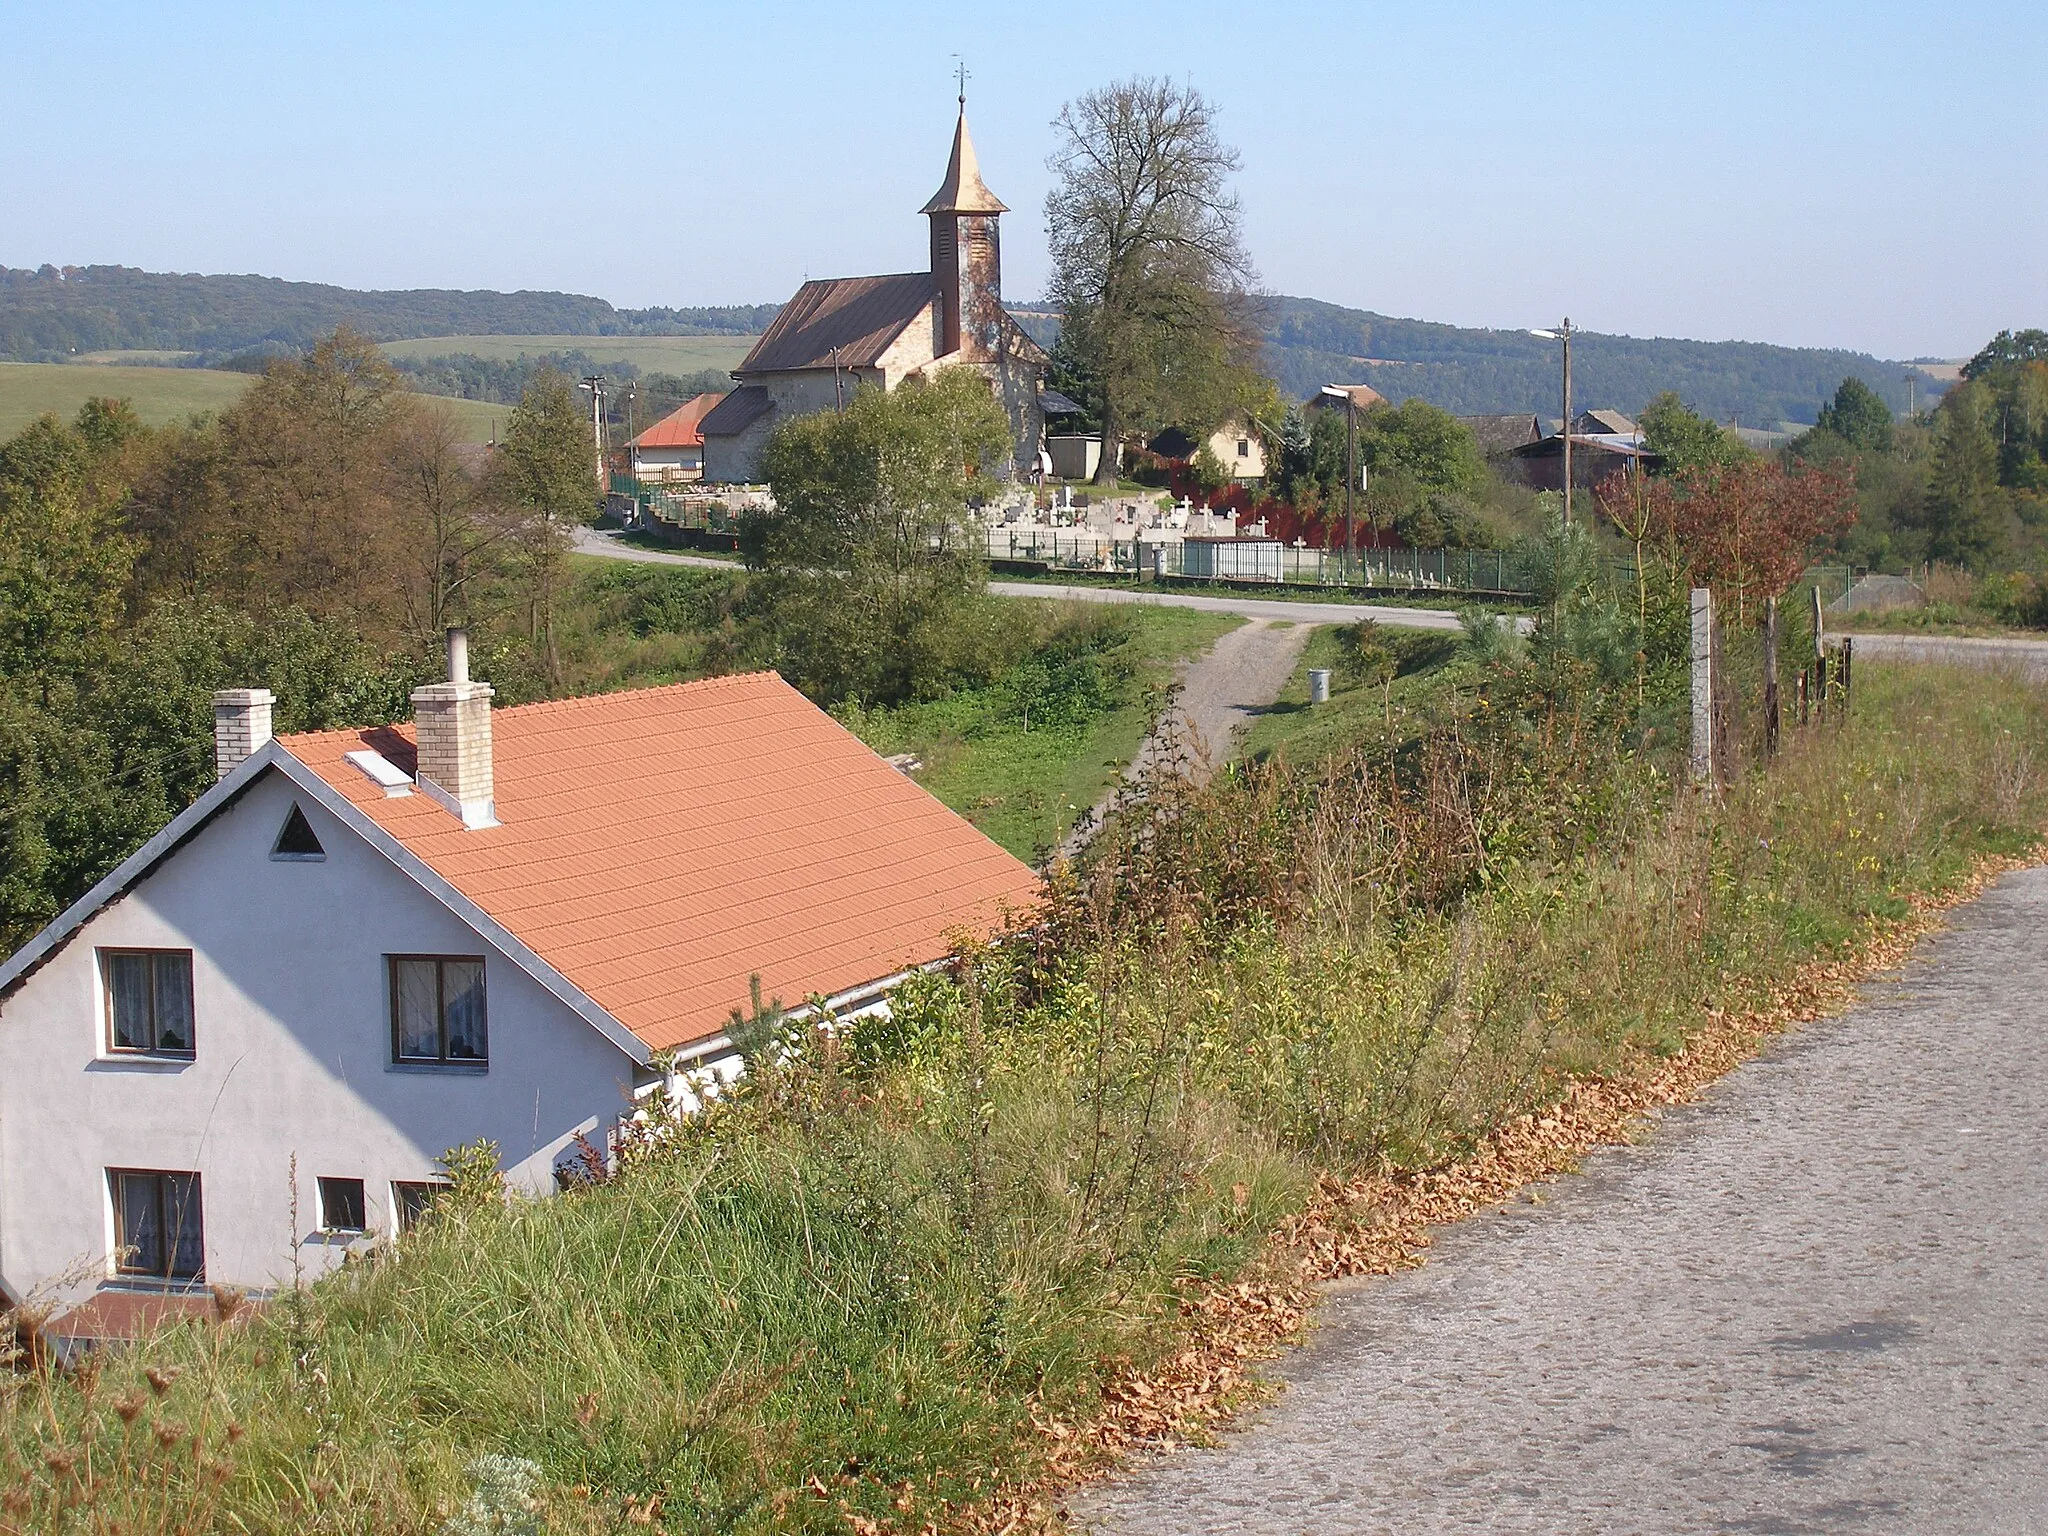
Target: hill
[
  {"x": 1472, "y": 372},
  {"x": 52, "y": 314}
]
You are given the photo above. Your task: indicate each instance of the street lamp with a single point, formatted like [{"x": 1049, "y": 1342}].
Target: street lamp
[
  {"x": 1564, "y": 334},
  {"x": 1335, "y": 392}
]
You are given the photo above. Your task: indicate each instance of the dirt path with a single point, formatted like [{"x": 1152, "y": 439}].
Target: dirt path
[
  {"x": 1815, "y": 1301},
  {"x": 1220, "y": 691}
]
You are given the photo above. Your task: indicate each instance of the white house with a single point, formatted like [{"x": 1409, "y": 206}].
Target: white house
[
  {"x": 673, "y": 448},
  {"x": 243, "y": 1052},
  {"x": 837, "y": 334}
]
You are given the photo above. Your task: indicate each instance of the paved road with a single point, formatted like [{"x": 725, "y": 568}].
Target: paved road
[
  {"x": 1815, "y": 1302},
  {"x": 596, "y": 541},
  {"x": 2030, "y": 657}
]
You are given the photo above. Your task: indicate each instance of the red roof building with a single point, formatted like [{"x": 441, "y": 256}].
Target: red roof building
[{"x": 673, "y": 448}]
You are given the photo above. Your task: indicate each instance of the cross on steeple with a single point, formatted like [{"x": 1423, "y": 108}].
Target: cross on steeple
[{"x": 961, "y": 73}]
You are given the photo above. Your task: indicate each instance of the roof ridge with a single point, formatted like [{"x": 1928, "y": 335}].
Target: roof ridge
[{"x": 573, "y": 702}]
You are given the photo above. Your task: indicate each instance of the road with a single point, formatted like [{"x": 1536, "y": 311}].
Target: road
[
  {"x": 1816, "y": 1301},
  {"x": 596, "y": 541},
  {"x": 2030, "y": 657}
]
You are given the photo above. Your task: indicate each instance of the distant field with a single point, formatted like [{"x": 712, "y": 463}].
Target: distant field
[
  {"x": 162, "y": 395},
  {"x": 650, "y": 354}
]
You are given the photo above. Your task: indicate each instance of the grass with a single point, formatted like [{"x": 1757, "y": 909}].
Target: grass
[
  {"x": 164, "y": 395},
  {"x": 159, "y": 395},
  {"x": 1356, "y": 711},
  {"x": 865, "y": 1291},
  {"x": 650, "y": 354},
  {"x": 1025, "y": 785}
]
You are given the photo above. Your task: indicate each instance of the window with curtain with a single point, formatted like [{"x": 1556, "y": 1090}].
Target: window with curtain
[
  {"x": 437, "y": 1010},
  {"x": 149, "y": 1001},
  {"x": 158, "y": 1226}
]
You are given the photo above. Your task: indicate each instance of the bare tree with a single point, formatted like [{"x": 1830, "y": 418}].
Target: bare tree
[
  {"x": 452, "y": 532},
  {"x": 1149, "y": 267}
]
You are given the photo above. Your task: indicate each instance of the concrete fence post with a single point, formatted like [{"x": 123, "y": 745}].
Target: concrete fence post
[{"x": 1702, "y": 685}]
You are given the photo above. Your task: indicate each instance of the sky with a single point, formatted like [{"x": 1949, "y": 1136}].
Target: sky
[{"x": 1866, "y": 175}]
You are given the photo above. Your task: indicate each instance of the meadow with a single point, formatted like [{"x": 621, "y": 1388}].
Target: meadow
[
  {"x": 164, "y": 395},
  {"x": 650, "y": 354}
]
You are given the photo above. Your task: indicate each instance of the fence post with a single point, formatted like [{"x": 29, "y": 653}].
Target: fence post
[
  {"x": 1770, "y": 676},
  {"x": 1848, "y": 669},
  {"x": 1702, "y": 684}
]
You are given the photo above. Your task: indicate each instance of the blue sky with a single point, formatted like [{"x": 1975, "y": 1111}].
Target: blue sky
[{"x": 1867, "y": 175}]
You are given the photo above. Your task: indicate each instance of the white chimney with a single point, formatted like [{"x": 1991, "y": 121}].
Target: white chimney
[
  {"x": 241, "y": 725},
  {"x": 452, "y": 721}
]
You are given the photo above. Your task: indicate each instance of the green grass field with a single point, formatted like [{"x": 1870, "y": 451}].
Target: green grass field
[
  {"x": 164, "y": 395},
  {"x": 1356, "y": 711},
  {"x": 1023, "y": 786},
  {"x": 650, "y": 354}
]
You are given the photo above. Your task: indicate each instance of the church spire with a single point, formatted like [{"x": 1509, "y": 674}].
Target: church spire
[{"x": 963, "y": 190}]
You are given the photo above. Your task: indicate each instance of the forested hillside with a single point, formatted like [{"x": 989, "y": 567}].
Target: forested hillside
[
  {"x": 1473, "y": 372},
  {"x": 50, "y": 314}
]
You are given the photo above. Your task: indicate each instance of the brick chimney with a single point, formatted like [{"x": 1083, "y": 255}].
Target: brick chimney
[
  {"x": 452, "y": 721},
  {"x": 241, "y": 725}
]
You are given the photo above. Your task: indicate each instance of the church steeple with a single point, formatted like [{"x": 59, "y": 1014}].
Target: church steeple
[{"x": 966, "y": 256}]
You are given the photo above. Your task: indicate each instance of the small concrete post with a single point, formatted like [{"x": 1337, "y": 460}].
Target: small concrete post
[
  {"x": 1702, "y": 685},
  {"x": 1319, "y": 685},
  {"x": 1770, "y": 676}
]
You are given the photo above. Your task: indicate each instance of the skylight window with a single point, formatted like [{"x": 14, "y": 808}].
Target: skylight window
[
  {"x": 380, "y": 771},
  {"x": 296, "y": 840}
]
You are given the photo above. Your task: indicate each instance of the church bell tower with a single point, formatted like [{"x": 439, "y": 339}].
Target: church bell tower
[{"x": 966, "y": 256}]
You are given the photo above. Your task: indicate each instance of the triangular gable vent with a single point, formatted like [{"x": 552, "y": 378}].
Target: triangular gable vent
[{"x": 297, "y": 839}]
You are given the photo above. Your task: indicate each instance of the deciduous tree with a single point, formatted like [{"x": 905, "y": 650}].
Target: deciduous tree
[
  {"x": 1747, "y": 529},
  {"x": 542, "y": 470},
  {"x": 1149, "y": 267}
]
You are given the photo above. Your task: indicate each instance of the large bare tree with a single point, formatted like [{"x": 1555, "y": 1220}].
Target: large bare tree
[{"x": 1149, "y": 266}]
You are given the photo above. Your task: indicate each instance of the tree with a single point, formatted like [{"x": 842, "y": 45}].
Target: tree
[
  {"x": 542, "y": 471},
  {"x": 1747, "y": 528},
  {"x": 869, "y": 572},
  {"x": 1964, "y": 506},
  {"x": 1683, "y": 440},
  {"x": 1149, "y": 267},
  {"x": 2008, "y": 349},
  {"x": 450, "y": 528},
  {"x": 1859, "y": 416}
]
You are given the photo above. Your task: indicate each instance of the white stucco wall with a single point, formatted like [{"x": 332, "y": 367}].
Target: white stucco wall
[{"x": 293, "y": 1057}]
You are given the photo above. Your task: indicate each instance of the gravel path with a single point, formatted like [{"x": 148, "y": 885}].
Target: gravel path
[
  {"x": 1220, "y": 692},
  {"x": 1816, "y": 1301}
]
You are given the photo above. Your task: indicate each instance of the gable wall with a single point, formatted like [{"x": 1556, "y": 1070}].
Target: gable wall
[{"x": 293, "y": 1032}]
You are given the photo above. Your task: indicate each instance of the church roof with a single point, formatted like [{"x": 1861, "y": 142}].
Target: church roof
[
  {"x": 844, "y": 321},
  {"x": 964, "y": 191}
]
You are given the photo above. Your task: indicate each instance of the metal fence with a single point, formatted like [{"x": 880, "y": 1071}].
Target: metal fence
[{"x": 1479, "y": 572}]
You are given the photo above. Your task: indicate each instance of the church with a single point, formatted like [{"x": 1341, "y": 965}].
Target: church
[{"x": 843, "y": 332}]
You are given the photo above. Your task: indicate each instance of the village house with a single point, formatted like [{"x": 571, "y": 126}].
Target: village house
[
  {"x": 1236, "y": 446},
  {"x": 240, "y": 1056},
  {"x": 673, "y": 448},
  {"x": 840, "y": 333}
]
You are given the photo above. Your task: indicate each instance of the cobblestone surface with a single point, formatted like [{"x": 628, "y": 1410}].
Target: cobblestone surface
[{"x": 1816, "y": 1301}]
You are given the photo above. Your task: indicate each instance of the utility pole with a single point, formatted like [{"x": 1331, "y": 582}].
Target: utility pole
[
  {"x": 1336, "y": 392},
  {"x": 1564, "y": 334},
  {"x": 596, "y": 387}
]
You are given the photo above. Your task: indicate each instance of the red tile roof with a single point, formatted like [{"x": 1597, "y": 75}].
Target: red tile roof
[
  {"x": 679, "y": 428},
  {"x": 659, "y": 847}
]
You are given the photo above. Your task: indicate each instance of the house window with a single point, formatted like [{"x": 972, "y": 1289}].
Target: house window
[
  {"x": 343, "y": 1207},
  {"x": 1244, "y": 447},
  {"x": 157, "y": 1225},
  {"x": 149, "y": 1001},
  {"x": 437, "y": 1010},
  {"x": 413, "y": 1201},
  {"x": 296, "y": 842}
]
